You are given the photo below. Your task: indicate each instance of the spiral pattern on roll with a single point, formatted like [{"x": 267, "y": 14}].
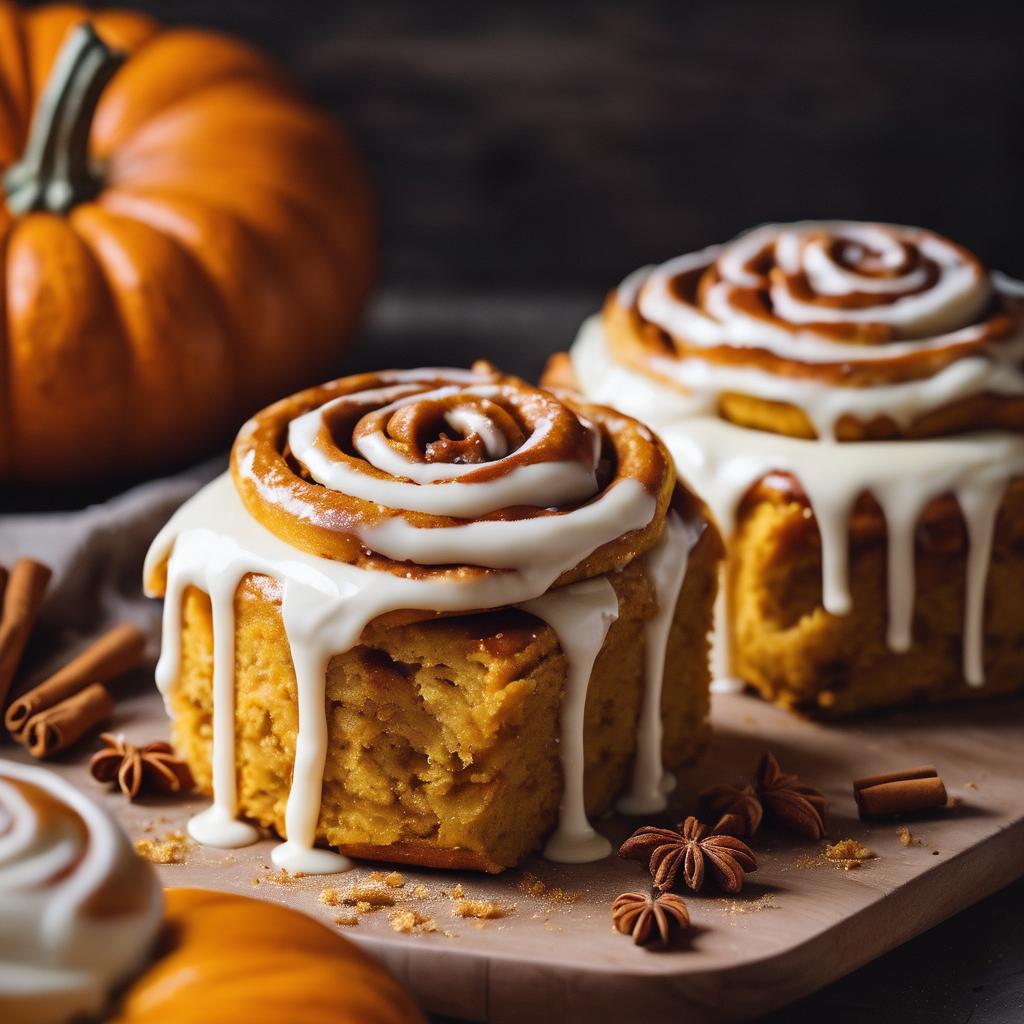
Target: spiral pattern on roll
[
  {"x": 787, "y": 310},
  {"x": 447, "y": 470},
  {"x": 80, "y": 909}
]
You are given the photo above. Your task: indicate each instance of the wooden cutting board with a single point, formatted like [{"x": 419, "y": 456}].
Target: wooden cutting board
[{"x": 800, "y": 923}]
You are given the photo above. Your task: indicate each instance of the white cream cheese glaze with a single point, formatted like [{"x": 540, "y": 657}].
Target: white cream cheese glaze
[
  {"x": 720, "y": 461},
  {"x": 212, "y": 542},
  {"x": 929, "y": 294},
  {"x": 79, "y": 911},
  {"x": 666, "y": 565}
]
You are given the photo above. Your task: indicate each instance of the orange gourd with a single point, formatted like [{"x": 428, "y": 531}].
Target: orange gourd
[
  {"x": 185, "y": 239},
  {"x": 229, "y": 958}
]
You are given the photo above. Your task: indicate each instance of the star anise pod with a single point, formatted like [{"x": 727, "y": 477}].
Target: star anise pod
[
  {"x": 650, "y": 919},
  {"x": 739, "y": 801},
  {"x": 153, "y": 766},
  {"x": 787, "y": 802},
  {"x": 691, "y": 850}
]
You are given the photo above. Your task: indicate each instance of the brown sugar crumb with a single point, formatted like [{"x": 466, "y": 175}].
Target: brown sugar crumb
[
  {"x": 392, "y": 879},
  {"x": 810, "y": 860},
  {"x": 410, "y": 922},
  {"x": 906, "y": 837},
  {"x": 970, "y": 785},
  {"x": 347, "y": 920},
  {"x": 457, "y": 892},
  {"x": 365, "y": 896},
  {"x": 282, "y": 877},
  {"x": 169, "y": 850},
  {"x": 848, "y": 854},
  {"x": 531, "y": 885},
  {"x": 420, "y": 891},
  {"x": 764, "y": 902},
  {"x": 563, "y": 896},
  {"x": 483, "y": 909}
]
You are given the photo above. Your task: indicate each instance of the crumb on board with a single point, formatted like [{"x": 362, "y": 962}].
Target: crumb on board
[
  {"x": 486, "y": 910},
  {"x": 282, "y": 877},
  {"x": 848, "y": 854},
  {"x": 392, "y": 879},
  {"x": 411, "y": 922},
  {"x": 359, "y": 895},
  {"x": 420, "y": 891},
  {"x": 970, "y": 785},
  {"x": 347, "y": 920},
  {"x": 169, "y": 850},
  {"x": 906, "y": 837},
  {"x": 531, "y": 885},
  {"x": 457, "y": 892},
  {"x": 766, "y": 901}
]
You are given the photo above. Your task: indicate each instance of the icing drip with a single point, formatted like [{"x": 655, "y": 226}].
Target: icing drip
[
  {"x": 78, "y": 910},
  {"x": 825, "y": 404},
  {"x": 666, "y": 565},
  {"x": 721, "y": 461},
  {"x": 212, "y": 542},
  {"x": 580, "y": 615}
]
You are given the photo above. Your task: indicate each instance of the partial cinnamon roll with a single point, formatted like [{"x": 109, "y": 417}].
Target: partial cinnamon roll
[
  {"x": 830, "y": 329},
  {"x": 432, "y": 615},
  {"x": 79, "y": 912},
  {"x": 849, "y": 400},
  {"x": 87, "y": 935}
]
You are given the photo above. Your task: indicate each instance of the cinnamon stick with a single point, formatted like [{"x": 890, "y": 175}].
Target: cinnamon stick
[
  {"x": 22, "y": 598},
  {"x": 56, "y": 728},
  {"x": 899, "y": 792},
  {"x": 113, "y": 654}
]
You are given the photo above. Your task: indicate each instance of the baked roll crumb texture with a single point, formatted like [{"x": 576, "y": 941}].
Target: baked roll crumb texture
[
  {"x": 849, "y": 401},
  {"x": 466, "y": 615}
]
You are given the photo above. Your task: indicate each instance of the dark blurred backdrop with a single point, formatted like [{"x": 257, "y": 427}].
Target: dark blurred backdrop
[{"x": 528, "y": 155}]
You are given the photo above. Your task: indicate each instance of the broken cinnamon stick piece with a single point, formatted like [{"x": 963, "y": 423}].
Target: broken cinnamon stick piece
[
  {"x": 56, "y": 728},
  {"x": 899, "y": 792},
  {"x": 113, "y": 654},
  {"x": 22, "y": 598}
]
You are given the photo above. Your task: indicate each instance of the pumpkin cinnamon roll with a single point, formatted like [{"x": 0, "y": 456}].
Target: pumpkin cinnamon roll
[
  {"x": 87, "y": 935},
  {"x": 849, "y": 400},
  {"x": 435, "y": 616}
]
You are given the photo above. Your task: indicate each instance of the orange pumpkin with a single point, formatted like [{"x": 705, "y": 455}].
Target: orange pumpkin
[
  {"x": 185, "y": 240},
  {"x": 229, "y": 958}
]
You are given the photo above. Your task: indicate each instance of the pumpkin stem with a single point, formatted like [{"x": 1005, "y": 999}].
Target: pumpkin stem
[{"x": 55, "y": 172}]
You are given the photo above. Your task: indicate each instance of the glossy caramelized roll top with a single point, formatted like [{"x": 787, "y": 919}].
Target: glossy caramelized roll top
[
  {"x": 830, "y": 329},
  {"x": 453, "y": 472}
]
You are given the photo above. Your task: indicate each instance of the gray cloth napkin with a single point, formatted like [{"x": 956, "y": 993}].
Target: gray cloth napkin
[{"x": 96, "y": 555}]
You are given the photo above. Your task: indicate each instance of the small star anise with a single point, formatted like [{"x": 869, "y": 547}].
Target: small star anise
[
  {"x": 742, "y": 802},
  {"x": 667, "y": 851},
  {"x": 787, "y": 802},
  {"x": 154, "y": 766},
  {"x": 651, "y": 918}
]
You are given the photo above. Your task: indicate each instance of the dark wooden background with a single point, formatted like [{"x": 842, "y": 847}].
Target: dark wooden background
[{"x": 528, "y": 155}]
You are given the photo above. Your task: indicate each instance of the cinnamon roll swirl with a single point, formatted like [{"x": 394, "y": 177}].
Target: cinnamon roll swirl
[
  {"x": 79, "y": 911},
  {"x": 839, "y": 394},
  {"x": 473, "y": 561},
  {"x": 832, "y": 330},
  {"x": 437, "y": 473}
]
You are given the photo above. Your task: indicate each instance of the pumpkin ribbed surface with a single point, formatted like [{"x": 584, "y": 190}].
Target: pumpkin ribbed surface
[
  {"x": 220, "y": 261},
  {"x": 224, "y": 957}
]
